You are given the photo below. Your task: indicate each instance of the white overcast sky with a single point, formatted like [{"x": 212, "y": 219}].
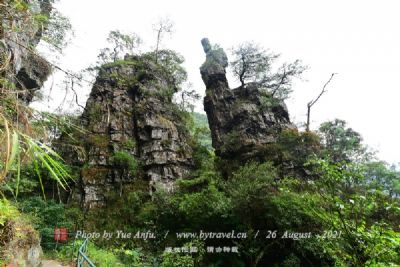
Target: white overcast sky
[{"x": 358, "y": 39}]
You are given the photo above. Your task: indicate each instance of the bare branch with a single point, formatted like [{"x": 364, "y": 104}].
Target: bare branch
[
  {"x": 163, "y": 25},
  {"x": 75, "y": 94},
  {"x": 281, "y": 82},
  {"x": 68, "y": 73},
  {"x": 312, "y": 102}
]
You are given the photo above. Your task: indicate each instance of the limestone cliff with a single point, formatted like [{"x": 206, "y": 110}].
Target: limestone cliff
[
  {"x": 130, "y": 111},
  {"x": 242, "y": 120},
  {"x": 19, "y": 34}
]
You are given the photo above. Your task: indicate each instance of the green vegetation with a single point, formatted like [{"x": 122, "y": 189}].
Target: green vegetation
[
  {"x": 341, "y": 143},
  {"x": 16, "y": 232},
  {"x": 120, "y": 44},
  {"x": 7, "y": 211},
  {"x": 47, "y": 216},
  {"x": 164, "y": 64},
  {"x": 253, "y": 64},
  {"x": 27, "y": 162},
  {"x": 202, "y": 130},
  {"x": 125, "y": 161},
  {"x": 100, "y": 257},
  {"x": 347, "y": 204},
  {"x": 129, "y": 144},
  {"x": 120, "y": 62},
  {"x": 348, "y": 208},
  {"x": 230, "y": 142},
  {"x": 23, "y": 139},
  {"x": 308, "y": 199},
  {"x": 267, "y": 102}
]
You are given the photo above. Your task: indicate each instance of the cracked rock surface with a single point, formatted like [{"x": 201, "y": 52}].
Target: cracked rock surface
[
  {"x": 240, "y": 121},
  {"x": 128, "y": 111}
]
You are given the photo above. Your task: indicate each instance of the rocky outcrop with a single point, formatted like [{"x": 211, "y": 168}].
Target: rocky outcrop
[
  {"x": 18, "y": 63},
  {"x": 21, "y": 69},
  {"x": 130, "y": 115},
  {"x": 21, "y": 245},
  {"x": 242, "y": 120}
]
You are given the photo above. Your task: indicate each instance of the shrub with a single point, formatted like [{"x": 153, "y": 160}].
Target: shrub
[
  {"x": 45, "y": 217},
  {"x": 125, "y": 161},
  {"x": 100, "y": 257}
]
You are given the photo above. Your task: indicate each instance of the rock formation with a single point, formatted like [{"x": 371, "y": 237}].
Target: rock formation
[
  {"x": 18, "y": 62},
  {"x": 241, "y": 120},
  {"x": 21, "y": 245},
  {"x": 130, "y": 111},
  {"x": 21, "y": 69}
]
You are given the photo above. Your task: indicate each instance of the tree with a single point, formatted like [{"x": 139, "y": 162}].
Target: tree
[
  {"x": 366, "y": 220},
  {"x": 253, "y": 63},
  {"x": 57, "y": 30},
  {"x": 162, "y": 27},
  {"x": 342, "y": 143},
  {"x": 171, "y": 62},
  {"x": 312, "y": 102},
  {"x": 379, "y": 175},
  {"x": 120, "y": 44},
  {"x": 169, "y": 66},
  {"x": 187, "y": 98}
]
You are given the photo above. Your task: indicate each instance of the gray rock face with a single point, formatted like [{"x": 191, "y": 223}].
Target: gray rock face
[
  {"x": 25, "y": 69},
  {"x": 128, "y": 110},
  {"x": 23, "y": 245},
  {"x": 241, "y": 120}
]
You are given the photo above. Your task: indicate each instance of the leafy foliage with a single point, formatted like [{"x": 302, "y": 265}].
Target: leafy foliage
[
  {"x": 367, "y": 218},
  {"x": 21, "y": 144},
  {"x": 251, "y": 63},
  {"x": 7, "y": 211},
  {"x": 202, "y": 131},
  {"x": 57, "y": 30},
  {"x": 147, "y": 73},
  {"x": 342, "y": 143},
  {"x": 380, "y": 176},
  {"x": 325, "y": 185},
  {"x": 125, "y": 161},
  {"x": 170, "y": 63},
  {"x": 348, "y": 207},
  {"x": 121, "y": 44},
  {"x": 99, "y": 256},
  {"x": 48, "y": 215},
  {"x": 20, "y": 147}
]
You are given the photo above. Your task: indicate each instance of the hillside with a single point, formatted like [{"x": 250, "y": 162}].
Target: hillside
[{"x": 146, "y": 181}]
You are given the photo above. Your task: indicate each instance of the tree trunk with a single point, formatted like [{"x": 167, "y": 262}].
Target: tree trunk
[
  {"x": 158, "y": 43},
  {"x": 308, "y": 117}
]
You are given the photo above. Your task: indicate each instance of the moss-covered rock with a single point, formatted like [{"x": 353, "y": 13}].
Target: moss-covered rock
[
  {"x": 132, "y": 124},
  {"x": 242, "y": 120},
  {"x": 19, "y": 241}
]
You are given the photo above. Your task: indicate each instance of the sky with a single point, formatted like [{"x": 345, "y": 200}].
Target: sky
[{"x": 357, "y": 39}]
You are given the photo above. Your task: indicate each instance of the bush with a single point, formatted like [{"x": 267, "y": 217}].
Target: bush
[
  {"x": 7, "y": 211},
  {"x": 46, "y": 216},
  {"x": 100, "y": 257},
  {"x": 16, "y": 233},
  {"x": 177, "y": 260},
  {"x": 125, "y": 161}
]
